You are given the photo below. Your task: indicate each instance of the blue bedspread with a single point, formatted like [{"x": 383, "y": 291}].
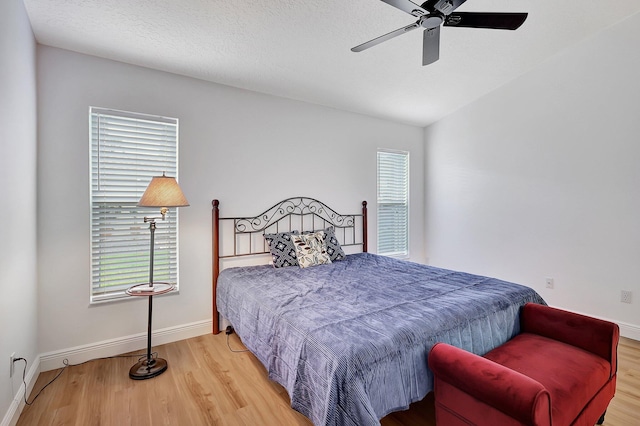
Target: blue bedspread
[{"x": 349, "y": 340}]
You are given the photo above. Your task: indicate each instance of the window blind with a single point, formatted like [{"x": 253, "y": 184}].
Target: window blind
[
  {"x": 393, "y": 203},
  {"x": 127, "y": 150}
]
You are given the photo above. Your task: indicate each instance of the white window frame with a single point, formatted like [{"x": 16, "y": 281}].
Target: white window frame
[
  {"x": 126, "y": 150},
  {"x": 393, "y": 199}
]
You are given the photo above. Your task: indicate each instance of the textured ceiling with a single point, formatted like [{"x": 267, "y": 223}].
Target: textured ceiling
[{"x": 300, "y": 49}]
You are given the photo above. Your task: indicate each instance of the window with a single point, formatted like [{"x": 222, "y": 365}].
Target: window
[
  {"x": 127, "y": 150},
  {"x": 393, "y": 203}
]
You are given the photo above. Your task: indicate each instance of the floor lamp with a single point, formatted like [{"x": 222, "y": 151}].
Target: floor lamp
[{"x": 163, "y": 192}]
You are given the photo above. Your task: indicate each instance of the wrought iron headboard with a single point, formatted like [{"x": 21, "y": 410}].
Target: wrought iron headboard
[{"x": 297, "y": 213}]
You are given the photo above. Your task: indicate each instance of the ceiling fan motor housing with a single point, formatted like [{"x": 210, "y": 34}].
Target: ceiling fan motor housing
[{"x": 431, "y": 21}]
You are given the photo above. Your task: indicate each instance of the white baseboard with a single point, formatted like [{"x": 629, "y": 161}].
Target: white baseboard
[
  {"x": 120, "y": 345},
  {"x": 629, "y": 330},
  {"x": 17, "y": 405}
]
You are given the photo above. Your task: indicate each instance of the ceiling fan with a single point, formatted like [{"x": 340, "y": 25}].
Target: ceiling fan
[{"x": 433, "y": 13}]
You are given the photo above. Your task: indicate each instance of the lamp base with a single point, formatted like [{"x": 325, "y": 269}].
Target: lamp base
[{"x": 146, "y": 369}]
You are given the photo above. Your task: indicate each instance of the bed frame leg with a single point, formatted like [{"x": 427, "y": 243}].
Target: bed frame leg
[{"x": 215, "y": 218}]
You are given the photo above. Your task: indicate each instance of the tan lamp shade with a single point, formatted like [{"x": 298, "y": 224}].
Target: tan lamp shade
[{"x": 163, "y": 191}]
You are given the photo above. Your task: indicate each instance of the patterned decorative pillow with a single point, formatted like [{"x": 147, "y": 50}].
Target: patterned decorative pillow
[
  {"x": 333, "y": 245},
  {"x": 311, "y": 249},
  {"x": 282, "y": 250}
]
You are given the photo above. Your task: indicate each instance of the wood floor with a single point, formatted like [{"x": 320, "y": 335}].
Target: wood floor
[{"x": 206, "y": 384}]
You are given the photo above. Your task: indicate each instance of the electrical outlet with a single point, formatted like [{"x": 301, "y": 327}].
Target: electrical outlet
[
  {"x": 549, "y": 282},
  {"x": 12, "y": 359},
  {"x": 625, "y": 296}
]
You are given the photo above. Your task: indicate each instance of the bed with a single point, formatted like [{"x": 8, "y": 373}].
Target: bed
[{"x": 349, "y": 340}]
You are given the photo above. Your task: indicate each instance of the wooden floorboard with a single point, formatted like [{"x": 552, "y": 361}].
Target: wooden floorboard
[{"x": 207, "y": 384}]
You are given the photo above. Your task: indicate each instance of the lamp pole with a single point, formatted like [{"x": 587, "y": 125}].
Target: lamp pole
[
  {"x": 152, "y": 228},
  {"x": 149, "y": 367}
]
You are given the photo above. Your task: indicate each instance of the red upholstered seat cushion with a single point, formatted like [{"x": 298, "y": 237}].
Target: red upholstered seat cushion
[{"x": 571, "y": 375}]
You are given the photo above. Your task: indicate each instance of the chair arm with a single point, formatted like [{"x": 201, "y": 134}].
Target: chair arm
[
  {"x": 591, "y": 334},
  {"x": 508, "y": 391}
]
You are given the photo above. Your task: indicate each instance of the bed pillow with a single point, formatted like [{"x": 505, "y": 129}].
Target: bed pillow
[
  {"x": 333, "y": 246},
  {"x": 311, "y": 249},
  {"x": 281, "y": 248}
]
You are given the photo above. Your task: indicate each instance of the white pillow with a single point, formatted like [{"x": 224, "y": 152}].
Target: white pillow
[{"x": 311, "y": 249}]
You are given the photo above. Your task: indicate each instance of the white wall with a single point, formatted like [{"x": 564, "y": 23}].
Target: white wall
[
  {"x": 541, "y": 178},
  {"x": 247, "y": 149},
  {"x": 18, "y": 300}
]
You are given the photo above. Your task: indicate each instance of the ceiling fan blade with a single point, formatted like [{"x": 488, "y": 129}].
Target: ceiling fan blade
[
  {"x": 407, "y": 6},
  {"x": 385, "y": 37},
  {"x": 499, "y": 21},
  {"x": 430, "y": 45}
]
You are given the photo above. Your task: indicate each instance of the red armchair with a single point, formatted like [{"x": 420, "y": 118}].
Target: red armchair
[{"x": 560, "y": 370}]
